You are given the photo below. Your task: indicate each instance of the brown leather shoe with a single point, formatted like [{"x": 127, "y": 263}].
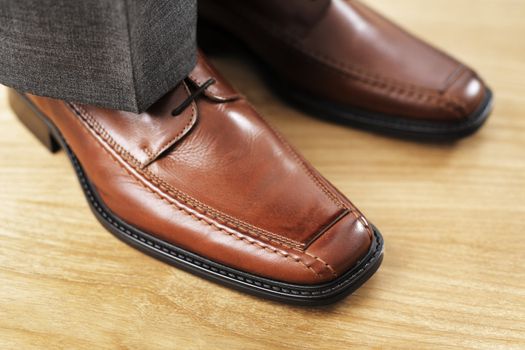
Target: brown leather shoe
[
  {"x": 342, "y": 60},
  {"x": 202, "y": 182}
]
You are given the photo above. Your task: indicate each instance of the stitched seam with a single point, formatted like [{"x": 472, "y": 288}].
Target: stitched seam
[
  {"x": 180, "y": 134},
  {"x": 160, "y": 186},
  {"x": 205, "y": 212},
  {"x": 316, "y": 181},
  {"x": 196, "y": 80},
  {"x": 178, "y": 194},
  {"x": 409, "y": 91},
  {"x": 149, "y": 153},
  {"x": 214, "y": 214},
  {"x": 301, "y": 162},
  {"x": 198, "y": 263},
  {"x": 448, "y": 103},
  {"x": 193, "y": 216},
  {"x": 292, "y": 40},
  {"x": 401, "y": 87},
  {"x": 326, "y": 265}
]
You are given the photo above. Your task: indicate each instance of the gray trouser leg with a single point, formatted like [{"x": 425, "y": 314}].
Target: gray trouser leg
[{"x": 119, "y": 54}]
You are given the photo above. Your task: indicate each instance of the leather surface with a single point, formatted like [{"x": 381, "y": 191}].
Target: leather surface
[
  {"x": 227, "y": 186},
  {"x": 344, "y": 53},
  {"x": 146, "y": 136}
]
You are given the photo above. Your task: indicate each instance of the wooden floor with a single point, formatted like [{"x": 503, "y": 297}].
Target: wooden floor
[{"x": 453, "y": 217}]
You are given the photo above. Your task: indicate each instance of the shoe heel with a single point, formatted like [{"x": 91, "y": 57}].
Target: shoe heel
[{"x": 27, "y": 114}]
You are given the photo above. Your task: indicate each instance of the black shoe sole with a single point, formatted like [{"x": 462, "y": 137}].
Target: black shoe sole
[
  {"x": 211, "y": 40},
  {"x": 321, "y": 294}
]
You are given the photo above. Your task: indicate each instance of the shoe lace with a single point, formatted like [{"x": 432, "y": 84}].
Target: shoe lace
[{"x": 200, "y": 89}]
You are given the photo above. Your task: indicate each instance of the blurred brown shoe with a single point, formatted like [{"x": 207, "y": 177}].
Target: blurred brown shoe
[{"x": 343, "y": 61}]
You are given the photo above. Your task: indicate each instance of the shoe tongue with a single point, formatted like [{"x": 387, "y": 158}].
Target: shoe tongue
[{"x": 221, "y": 90}]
